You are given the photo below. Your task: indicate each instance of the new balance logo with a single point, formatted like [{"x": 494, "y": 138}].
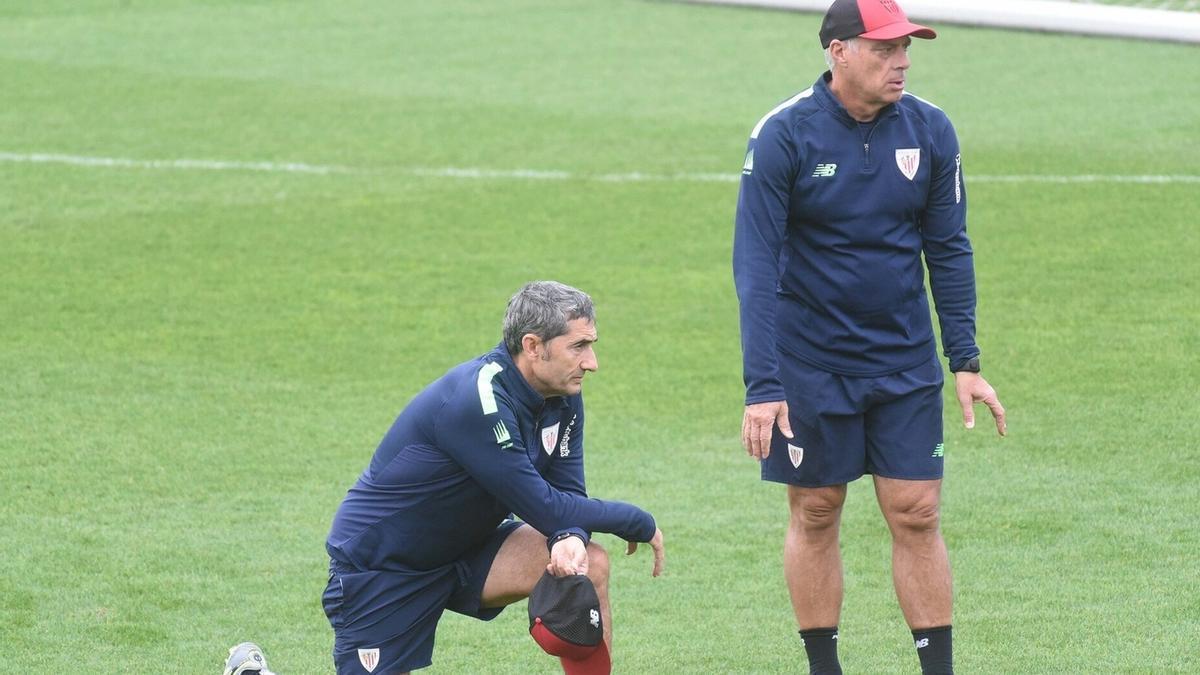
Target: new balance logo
[
  {"x": 502, "y": 436},
  {"x": 939, "y": 450},
  {"x": 922, "y": 643},
  {"x": 594, "y": 618},
  {"x": 824, "y": 170}
]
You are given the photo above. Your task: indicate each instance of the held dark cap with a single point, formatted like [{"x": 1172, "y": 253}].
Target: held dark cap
[
  {"x": 564, "y": 619},
  {"x": 872, "y": 19}
]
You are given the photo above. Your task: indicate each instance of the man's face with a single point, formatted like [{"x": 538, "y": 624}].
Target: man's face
[
  {"x": 562, "y": 361},
  {"x": 876, "y": 70}
]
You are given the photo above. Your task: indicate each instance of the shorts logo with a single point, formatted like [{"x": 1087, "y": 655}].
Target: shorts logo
[
  {"x": 939, "y": 450},
  {"x": 369, "y": 658},
  {"x": 549, "y": 438},
  {"x": 796, "y": 455},
  {"x": 594, "y": 618},
  {"x": 908, "y": 159}
]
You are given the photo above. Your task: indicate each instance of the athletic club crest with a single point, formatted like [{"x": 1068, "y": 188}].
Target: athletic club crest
[
  {"x": 796, "y": 454},
  {"x": 369, "y": 658},
  {"x": 908, "y": 159},
  {"x": 550, "y": 438}
]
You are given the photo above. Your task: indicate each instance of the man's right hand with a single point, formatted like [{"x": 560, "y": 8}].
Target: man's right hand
[
  {"x": 567, "y": 557},
  {"x": 757, "y": 424}
]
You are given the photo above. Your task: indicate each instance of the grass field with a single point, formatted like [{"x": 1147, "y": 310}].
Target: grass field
[{"x": 201, "y": 343}]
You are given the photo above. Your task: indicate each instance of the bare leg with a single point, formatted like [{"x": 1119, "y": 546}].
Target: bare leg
[
  {"x": 812, "y": 560},
  {"x": 920, "y": 563},
  {"x": 521, "y": 562}
]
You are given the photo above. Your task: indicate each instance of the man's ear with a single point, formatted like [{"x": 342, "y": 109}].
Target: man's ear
[
  {"x": 837, "y": 51},
  {"x": 531, "y": 345}
]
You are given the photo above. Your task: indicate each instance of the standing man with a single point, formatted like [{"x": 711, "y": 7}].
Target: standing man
[
  {"x": 427, "y": 526},
  {"x": 845, "y": 186}
]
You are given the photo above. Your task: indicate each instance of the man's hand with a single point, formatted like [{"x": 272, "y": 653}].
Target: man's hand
[
  {"x": 971, "y": 389},
  {"x": 656, "y": 543},
  {"x": 758, "y": 423},
  {"x": 567, "y": 557}
]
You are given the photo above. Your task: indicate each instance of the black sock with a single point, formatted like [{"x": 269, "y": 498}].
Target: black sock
[
  {"x": 935, "y": 648},
  {"x": 821, "y": 645}
]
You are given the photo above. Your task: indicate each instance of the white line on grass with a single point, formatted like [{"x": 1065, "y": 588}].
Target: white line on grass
[
  {"x": 522, "y": 174},
  {"x": 1085, "y": 178},
  {"x": 204, "y": 164}
]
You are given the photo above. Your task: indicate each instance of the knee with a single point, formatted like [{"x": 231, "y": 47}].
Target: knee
[
  {"x": 816, "y": 510},
  {"x": 598, "y": 565},
  {"x": 916, "y": 517}
]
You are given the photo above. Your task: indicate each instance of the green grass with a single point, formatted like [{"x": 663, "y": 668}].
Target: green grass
[{"x": 195, "y": 365}]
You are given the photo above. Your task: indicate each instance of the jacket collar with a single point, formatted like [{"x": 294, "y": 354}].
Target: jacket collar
[
  {"x": 831, "y": 103},
  {"x": 515, "y": 383}
]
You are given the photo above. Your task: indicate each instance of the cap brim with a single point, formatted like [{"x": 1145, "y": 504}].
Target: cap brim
[
  {"x": 898, "y": 30},
  {"x": 576, "y": 659}
]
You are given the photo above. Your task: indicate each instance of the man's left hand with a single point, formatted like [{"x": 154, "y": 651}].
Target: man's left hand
[
  {"x": 656, "y": 543},
  {"x": 971, "y": 388}
]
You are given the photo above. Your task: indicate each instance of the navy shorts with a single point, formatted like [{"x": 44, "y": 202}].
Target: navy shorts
[
  {"x": 384, "y": 621},
  {"x": 845, "y": 427}
]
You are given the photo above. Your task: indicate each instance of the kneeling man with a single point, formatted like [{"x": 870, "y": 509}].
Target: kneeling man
[{"x": 429, "y": 524}]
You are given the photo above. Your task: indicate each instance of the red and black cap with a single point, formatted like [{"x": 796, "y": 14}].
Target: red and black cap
[
  {"x": 564, "y": 619},
  {"x": 871, "y": 19}
]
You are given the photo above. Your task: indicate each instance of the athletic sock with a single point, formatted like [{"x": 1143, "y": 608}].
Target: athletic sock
[
  {"x": 935, "y": 648},
  {"x": 821, "y": 646}
]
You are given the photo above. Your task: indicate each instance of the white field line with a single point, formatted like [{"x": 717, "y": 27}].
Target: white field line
[
  {"x": 1085, "y": 178},
  {"x": 522, "y": 174},
  {"x": 203, "y": 164}
]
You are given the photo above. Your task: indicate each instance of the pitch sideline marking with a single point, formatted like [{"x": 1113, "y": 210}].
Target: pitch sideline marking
[
  {"x": 518, "y": 174},
  {"x": 205, "y": 164}
]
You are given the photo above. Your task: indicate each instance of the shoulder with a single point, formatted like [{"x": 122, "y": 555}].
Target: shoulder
[
  {"x": 786, "y": 114},
  {"x": 928, "y": 112},
  {"x": 474, "y": 391}
]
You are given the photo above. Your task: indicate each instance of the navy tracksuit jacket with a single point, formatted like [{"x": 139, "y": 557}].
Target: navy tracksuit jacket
[
  {"x": 833, "y": 218},
  {"x": 474, "y": 447}
]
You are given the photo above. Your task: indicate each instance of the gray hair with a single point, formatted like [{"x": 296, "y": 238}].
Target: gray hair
[
  {"x": 851, "y": 44},
  {"x": 544, "y": 308}
]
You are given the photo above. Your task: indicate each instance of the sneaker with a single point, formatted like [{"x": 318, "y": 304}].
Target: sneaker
[{"x": 246, "y": 658}]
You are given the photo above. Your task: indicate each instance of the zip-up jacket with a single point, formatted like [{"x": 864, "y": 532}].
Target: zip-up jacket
[
  {"x": 473, "y": 448},
  {"x": 833, "y": 218}
]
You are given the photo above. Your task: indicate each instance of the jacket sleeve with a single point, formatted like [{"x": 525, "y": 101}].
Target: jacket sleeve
[
  {"x": 759, "y": 230},
  {"x": 488, "y": 445},
  {"x": 947, "y": 250}
]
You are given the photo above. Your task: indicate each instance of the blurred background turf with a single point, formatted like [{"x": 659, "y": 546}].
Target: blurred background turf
[{"x": 196, "y": 364}]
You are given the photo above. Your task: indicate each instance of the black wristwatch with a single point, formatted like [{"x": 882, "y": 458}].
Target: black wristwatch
[
  {"x": 971, "y": 365},
  {"x": 554, "y": 540}
]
